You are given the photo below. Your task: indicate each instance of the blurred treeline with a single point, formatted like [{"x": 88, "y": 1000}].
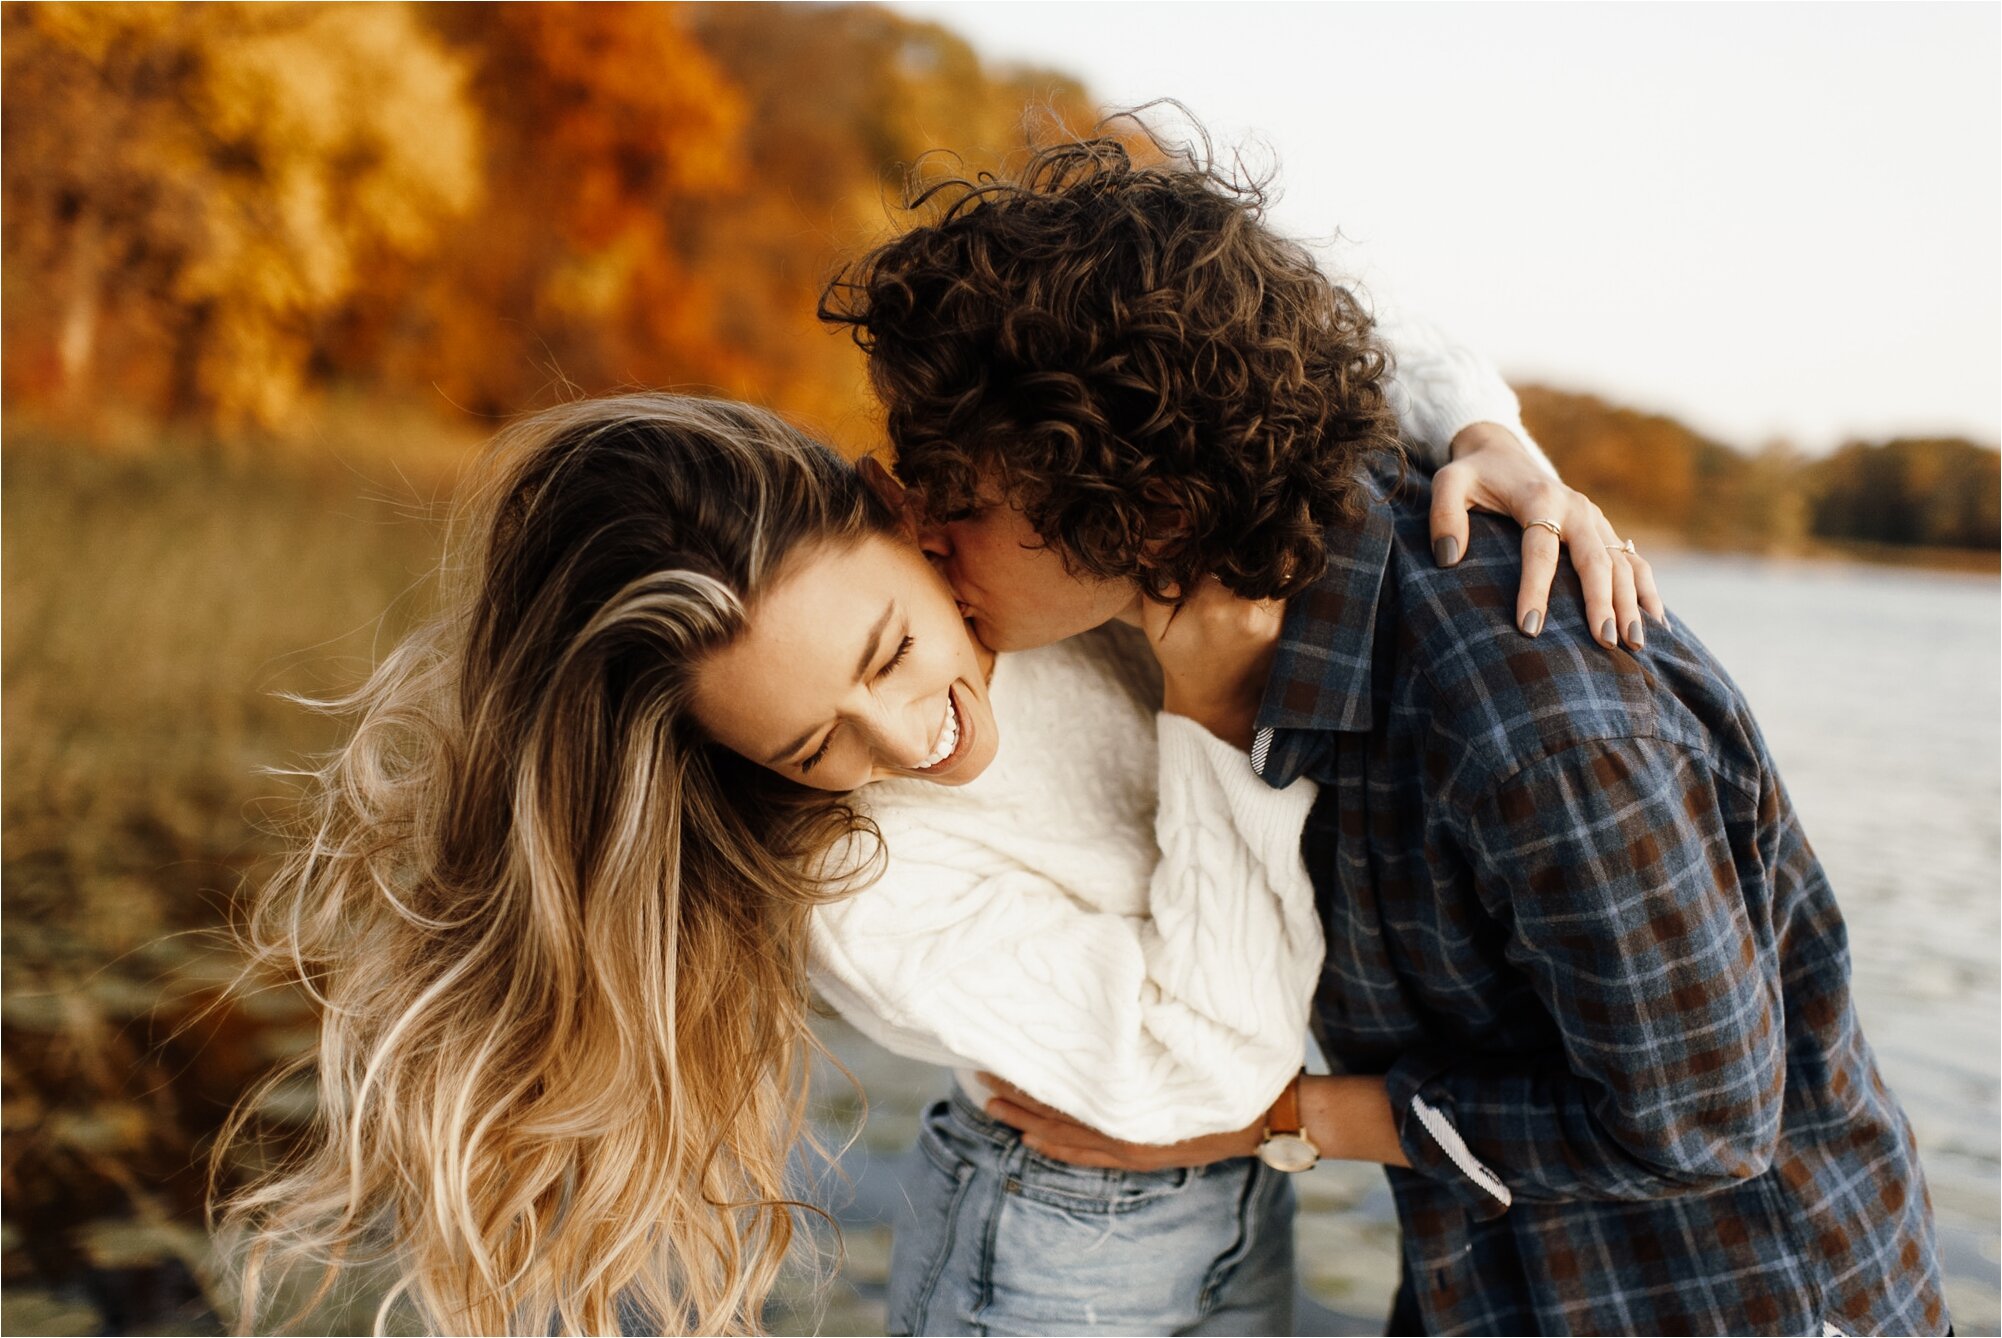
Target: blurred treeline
[
  {"x": 218, "y": 215},
  {"x": 1873, "y": 499},
  {"x": 233, "y": 221}
]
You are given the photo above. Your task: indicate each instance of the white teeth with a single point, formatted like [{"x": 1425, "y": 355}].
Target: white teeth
[{"x": 948, "y": 737}]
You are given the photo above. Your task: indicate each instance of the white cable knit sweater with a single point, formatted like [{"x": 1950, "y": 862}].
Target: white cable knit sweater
[
  {"x": 1145, "y": 974},
  {"x": 1114, "y": 916}
]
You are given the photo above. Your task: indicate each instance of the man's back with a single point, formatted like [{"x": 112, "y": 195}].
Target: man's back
[{"x": 1571, "y": 914}]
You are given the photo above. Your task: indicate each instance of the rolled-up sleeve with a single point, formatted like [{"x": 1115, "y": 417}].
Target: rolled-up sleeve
[{"x": 1630, "y": 884}]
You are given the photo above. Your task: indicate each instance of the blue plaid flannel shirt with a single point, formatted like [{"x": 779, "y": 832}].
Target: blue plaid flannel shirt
[{"x": 1571, "y": 914}]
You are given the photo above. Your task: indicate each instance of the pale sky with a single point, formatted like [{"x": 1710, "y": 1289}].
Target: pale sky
[{"x": 1766, "y": 219}]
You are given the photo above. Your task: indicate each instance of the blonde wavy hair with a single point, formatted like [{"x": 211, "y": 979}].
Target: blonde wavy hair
[{"x": 559, "y": 938}]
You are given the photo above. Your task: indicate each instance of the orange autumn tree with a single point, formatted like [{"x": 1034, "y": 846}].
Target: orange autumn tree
[
  {"x": 191, "y": 191},
  {"x": 607, "y": 130},
  {"x": 844, "y": 100},
  {"x": 214, "y": 212},
  {"x": 669, "y": 188}
]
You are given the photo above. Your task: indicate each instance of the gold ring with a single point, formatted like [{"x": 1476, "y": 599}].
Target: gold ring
[
  {"x": 1627, "y": 548},
  {"x": 1550, "y": 525}
]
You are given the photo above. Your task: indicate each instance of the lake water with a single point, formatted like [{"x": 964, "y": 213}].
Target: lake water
[{"x": 1880, "y": 692}]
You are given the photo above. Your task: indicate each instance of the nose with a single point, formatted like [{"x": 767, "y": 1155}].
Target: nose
[{"x": 935, "y": 540}]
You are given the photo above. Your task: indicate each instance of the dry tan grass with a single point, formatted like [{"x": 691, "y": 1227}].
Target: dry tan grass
[{"x": 154, "y": 607}]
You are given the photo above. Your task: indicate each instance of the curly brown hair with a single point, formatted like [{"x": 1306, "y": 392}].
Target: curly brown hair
[{"x": 1166, "y": 387}]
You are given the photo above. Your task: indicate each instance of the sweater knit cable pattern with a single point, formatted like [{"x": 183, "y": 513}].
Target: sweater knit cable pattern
[{"x": 1115, "y": 916}]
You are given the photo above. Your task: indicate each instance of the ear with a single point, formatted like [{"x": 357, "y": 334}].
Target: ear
[{"x": 889, "y": 492}]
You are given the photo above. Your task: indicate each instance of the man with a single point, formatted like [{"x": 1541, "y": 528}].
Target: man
[{"x": 1587, "y": 989}]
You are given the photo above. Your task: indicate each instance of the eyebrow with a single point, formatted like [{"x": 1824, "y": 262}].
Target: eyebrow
[
  {"x": 875, "y": 642},
  {"x": 869, "y": 653}
]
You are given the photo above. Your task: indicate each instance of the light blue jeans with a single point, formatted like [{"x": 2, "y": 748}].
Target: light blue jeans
[{"x": 997, "y": 1240}]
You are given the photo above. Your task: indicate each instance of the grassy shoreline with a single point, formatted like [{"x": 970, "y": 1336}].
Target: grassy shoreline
[{"x": 153, "y": 609}]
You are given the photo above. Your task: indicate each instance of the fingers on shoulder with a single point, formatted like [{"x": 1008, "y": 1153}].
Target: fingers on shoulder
[
  {"x": 1540, "y": 549},
  {"x": 1549, "y": 500},
  {"x": 1452, "y": 496},
  {"x": 1452, "y": 491},
  {"x": 1645, "y": 589}
]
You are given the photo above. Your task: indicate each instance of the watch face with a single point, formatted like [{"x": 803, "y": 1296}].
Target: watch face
[{"x": 1288, "y": 1152}]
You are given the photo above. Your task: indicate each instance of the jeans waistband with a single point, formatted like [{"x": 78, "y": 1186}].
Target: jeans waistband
[
  {"x": 978, "y": 1122},
  {"x": 1003, "y": 1138}
]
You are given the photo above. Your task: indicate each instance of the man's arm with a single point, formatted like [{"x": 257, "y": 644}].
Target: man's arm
[
  {"x": 1347, "y": 1117},
  {"x": 1612, "y": 862}
]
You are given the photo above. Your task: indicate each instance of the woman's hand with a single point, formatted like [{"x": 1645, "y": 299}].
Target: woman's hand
[
  {"x": 1051, "y": 1133},
  {"x": 1492, "y": 470},
  {"x": 1216, "y": 653}
]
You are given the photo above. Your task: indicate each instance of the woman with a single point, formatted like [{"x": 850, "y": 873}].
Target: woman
[
  {"x": 561, "y": 940},
  {"x": 561, "y": 934}
]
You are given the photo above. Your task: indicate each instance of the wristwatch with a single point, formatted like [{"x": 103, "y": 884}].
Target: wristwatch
[{"x": 1286, "y": 1146}]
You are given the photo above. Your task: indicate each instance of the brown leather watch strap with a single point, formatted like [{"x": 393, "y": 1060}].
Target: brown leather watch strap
[{"x": 1284, "y": 1117}]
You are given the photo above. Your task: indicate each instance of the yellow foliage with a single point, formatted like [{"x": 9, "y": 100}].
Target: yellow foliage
[
  {"x": 213, "y": 211},
  {"x": 227, "y": 173}
]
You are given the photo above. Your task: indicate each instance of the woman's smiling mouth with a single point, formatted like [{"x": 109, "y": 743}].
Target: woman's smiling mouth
[{"x": 952, "y": 736}]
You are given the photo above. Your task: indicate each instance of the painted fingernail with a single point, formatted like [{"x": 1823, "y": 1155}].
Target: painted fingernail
[
  {"x": 1634, "y": 634},
  {"x": 1609, "y": 632},
  {"x": 1446, "y": 551},
  {"x": 1532, "y": 622}
]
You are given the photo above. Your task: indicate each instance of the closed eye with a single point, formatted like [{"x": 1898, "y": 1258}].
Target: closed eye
[{"x": 903, "y": 649}]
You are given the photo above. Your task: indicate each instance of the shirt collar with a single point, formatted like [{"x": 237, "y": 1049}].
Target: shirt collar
[{"x": 1320, "y": 680}]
